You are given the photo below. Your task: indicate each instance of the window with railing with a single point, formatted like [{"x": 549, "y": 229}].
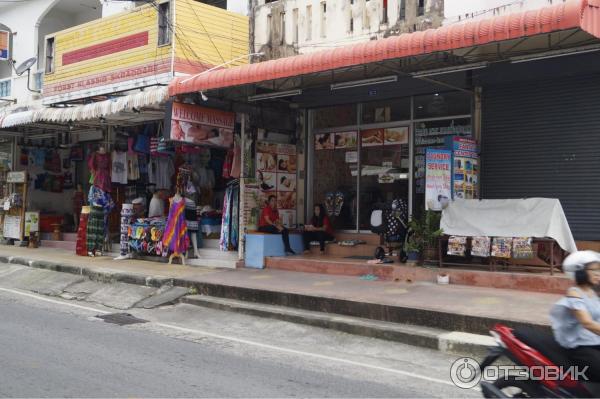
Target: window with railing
[{"x": 5, "y": 86}]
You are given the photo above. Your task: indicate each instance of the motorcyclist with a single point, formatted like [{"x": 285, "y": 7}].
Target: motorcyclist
[{"x": 576, "y": 317}]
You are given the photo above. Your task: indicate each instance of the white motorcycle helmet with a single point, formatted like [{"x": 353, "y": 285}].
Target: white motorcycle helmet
[{"x": 578, "y": 260}]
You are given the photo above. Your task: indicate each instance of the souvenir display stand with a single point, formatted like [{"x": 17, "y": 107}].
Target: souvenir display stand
[{"x": 527, "y": 233}]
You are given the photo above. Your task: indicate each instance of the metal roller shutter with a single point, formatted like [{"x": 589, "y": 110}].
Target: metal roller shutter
[{"x": 542, "y": 139}]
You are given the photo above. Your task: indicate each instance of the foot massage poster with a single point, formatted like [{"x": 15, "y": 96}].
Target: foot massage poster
[
  {"x": 190, "y": 123},
  {"x": 276, "y": 167}
]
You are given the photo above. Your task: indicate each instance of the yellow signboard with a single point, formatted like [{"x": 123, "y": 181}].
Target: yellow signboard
[{"x": 142, "y": 47}]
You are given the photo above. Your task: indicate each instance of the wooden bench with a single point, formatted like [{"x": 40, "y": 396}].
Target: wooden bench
[
  {"x": 260, "y": 245},
  {"x": 547, "y": 253}
]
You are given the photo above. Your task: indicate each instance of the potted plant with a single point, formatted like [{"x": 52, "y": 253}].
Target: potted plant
[
  {"x": 412, "y": 251},
  {"x": 424, "y": 233}
]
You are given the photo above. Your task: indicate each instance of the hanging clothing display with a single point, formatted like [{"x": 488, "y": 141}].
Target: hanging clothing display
[
  {"x": 502, "y": 247},
  {"x": 95, "y": 229},
  {"x": 126, "y": 219},
  {"x": 100, "y": 198},
  {"x": 235, "y": 217},
  {"x": 224, "y": 241},
  {"x": 175, "y": 237},
  {"x": 119, "y": 167},
  {"x": 191, "y": 215},
  {"x": 81, "y": 244},
  {"x": 236, "y": 165},
  {"x": 457, "y": 245},
  {"x": 522, "y": 248},
  {"x": 133, "y": 167},
  {"x": 480, "y": 246},
  {"x": 229, "y": 221},
  {"x": 100, "y": 165},
  {"x": 160, "y": 172}
]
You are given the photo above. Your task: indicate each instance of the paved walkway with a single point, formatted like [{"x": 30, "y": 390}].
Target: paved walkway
[{"x": 474, "y": 301}]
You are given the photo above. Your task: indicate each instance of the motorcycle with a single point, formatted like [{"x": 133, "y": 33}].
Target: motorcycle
[{"x": 533, "y": 349}]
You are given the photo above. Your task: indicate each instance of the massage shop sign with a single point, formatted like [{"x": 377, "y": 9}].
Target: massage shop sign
[
  {"x": 189, "y": 123},
  {"x": 438, "y": 179}
]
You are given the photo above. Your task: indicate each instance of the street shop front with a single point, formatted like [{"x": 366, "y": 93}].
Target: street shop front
[
  {"x": 129, "y": 170},
  {"x": 383, "y": 120}
]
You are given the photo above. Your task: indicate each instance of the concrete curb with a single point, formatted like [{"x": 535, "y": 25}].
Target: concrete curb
[
  {"x": 417, "y": 317},
  {"x": 449, "y": 342}
]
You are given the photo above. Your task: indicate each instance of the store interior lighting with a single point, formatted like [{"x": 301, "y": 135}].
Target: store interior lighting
[
  {"x": 444, "y": 71},
  {"x": 364, "y": 82},
  {"x": 279, "y": 94}
]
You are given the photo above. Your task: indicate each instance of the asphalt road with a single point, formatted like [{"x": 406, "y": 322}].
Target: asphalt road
[{"x": 53, "y": 348}]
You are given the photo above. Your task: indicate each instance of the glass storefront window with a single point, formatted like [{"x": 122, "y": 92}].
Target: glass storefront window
[
  {"x": 386, "y": 111},
  {"x": 334, "y": 183},
  {"x": 442, "y": 104},
  {"x": 384, "y": 157},
  {"x": 337, "y": 116}
]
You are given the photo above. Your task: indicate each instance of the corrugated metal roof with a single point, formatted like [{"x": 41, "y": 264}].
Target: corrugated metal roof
[{"x": 574, "y": 14}]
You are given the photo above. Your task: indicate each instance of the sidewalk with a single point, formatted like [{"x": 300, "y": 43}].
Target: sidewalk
[{"x": 451, "y": 307}]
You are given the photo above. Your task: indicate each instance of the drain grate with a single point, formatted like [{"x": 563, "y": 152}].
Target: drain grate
[{"x": 121, "y": 319}]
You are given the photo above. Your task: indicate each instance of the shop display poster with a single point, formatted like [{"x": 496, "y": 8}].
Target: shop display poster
[
  {"x": 438, "y": 179},
  {"x": 372, "y": 137},
  {"x": 465, "y": 174},
  {"x": 194, "y": 124},
  {"x": 345, "y": 140},
  {"x": 32, "y": 222},
  {"x": 324, "y": 141},
  {"x": 276, "y": 169},
  {"x": 396, "y": 136},
  {"x": 12, "y": 227}
]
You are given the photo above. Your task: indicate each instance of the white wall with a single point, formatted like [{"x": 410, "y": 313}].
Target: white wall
[
  {"x": 54, "y": 21},
  {"x": 459, "y": 10},
  {"x": 5, "y": 68},
  {"x": 367, "y": 16},
  {"x": 30, "y": 21}
]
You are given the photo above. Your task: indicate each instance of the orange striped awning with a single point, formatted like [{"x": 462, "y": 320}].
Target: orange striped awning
[{"x": 573, "y": 14}]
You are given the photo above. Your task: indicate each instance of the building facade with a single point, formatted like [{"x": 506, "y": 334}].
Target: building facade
[
  {"x": 282, "y": 28},
  {"x": 27, "y": 24}
]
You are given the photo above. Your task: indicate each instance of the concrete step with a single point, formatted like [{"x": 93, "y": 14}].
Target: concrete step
[
  {"x": 217, "y": 254},
  {"x": 65, "y": 237},
  {"x": 67, "y": 245},
  {"x": 438, "y": 319},
  {"x": 433, "y": 338},
  {"x": 369, "y": 238},
  {"x": 210, "y": 243},
  {"x": 343, "y": 251},
  {"x": 212, "y": 262}
]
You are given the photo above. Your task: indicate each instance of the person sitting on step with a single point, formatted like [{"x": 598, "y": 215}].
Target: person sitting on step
[
  {"x": 269, "y": 223},
  {"x": 319, "y": 229}
]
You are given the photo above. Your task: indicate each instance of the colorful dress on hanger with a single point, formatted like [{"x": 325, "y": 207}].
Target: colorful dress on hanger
[
  {"x": 100, "y": 165},
  {"x": 175, "y": 237}
]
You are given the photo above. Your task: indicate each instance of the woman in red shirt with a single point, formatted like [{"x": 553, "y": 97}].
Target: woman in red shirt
[
  {"x": 319, "y": 230},
  {"x": 269, "y": 223}
]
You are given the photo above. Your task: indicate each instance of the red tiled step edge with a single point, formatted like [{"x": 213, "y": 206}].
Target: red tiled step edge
[{"x": 518, "y": 281}]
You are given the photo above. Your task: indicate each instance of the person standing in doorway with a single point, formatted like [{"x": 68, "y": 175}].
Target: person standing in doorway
[
  {"x": 270, "y": 223},
  {"x": 319, "y": 229}
]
